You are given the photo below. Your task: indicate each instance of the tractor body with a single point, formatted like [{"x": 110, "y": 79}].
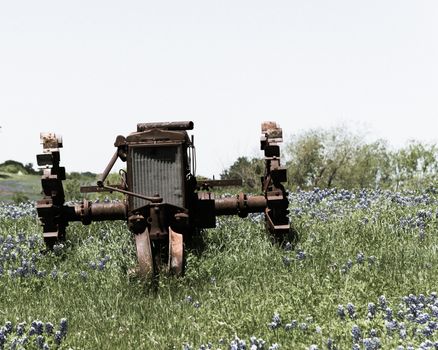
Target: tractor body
[{"x": 164, "y": 204}]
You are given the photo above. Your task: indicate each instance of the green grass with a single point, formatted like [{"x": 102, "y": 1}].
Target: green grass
[
  {"x": 12, "y": 184},
  {"x": 240, "y": 280}
]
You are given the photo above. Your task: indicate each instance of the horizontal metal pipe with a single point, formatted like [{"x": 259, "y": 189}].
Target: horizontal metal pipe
[
  {"x": 185, "y": 125},
  {"x": 239, "y": 205},
  {"x": 108, "y": 211},
  {"x": 95, "y": 212}
]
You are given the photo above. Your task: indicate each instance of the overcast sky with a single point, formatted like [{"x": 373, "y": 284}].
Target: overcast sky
[{"x": 90, "y": 70}]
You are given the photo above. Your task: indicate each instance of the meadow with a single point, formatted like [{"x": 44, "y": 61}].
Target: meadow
[{"x": 361, "y": 274}]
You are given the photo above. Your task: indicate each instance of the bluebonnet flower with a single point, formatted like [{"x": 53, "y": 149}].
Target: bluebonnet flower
[
  {"x": 101, "y": 264},
  {"x": 413, "y": 308},
  {"x": 291, "y": 325},
  {"x": 427, "y": 331},
  {"x": 188, "y": 299},
  {"x": 434, "y": 310},
  {"x": 391, "y": 326},
  {"x": 351, "y": 309},
  {"x": 24, "y": 340},
  {"x": 38, "y": 326},
  {"x": 46, "y": 346},
  {"x": 402, "y": 332},
  {"x": 341, "y": 312},
  {"x": 360, "y": 257},
  {"x": 288, "y": 327},
  {"x": 276, "y": 321},
  {"x": 286, "y": 260},
  {"x": 58, "y": 248},
  {"x": 313, "y": 347},
  {"x": 83, "y": 275},
  {"x": 49, "y": 328},
  {"x": 21, "y": 237},
  {"x": 371, "y": 310},
  {"x": 274, "y": 346},
  {"x": 20, "y": 329},
  {"x": 288, "y": 247},
  {"x": 2, "y": 338},
  {"x": 400, "y": 315},
  {"x": 382, "y": 302},
  {"x": 410, "y": 317},
  {"x": 371, "y": 260},
  {"x": 41, "y": 274},
  {"x": 371, "y": 343},
  {"x": 257, "y": 343},
  {"x": 330, "y": 344},
  {"x": 422, "y": 318},
  {"x": 14, "y": 343},
  {"x": 304, "y": 326},
  {"x": 63, "y": 326},
  {"x": 356, "y": 333},
  {"x": 412, "y": 299},
  {"x": 356, "y": 346},
  {"x": 19, "y": 272},
  {"x": 301, "y": 255},
  {"x": 238, "y": 344},
  {"x": 58, "y": 337},
  {"x": 426, "y": 345},
  {"x": 8, "y": 327},
  {"x": 373, "y": 333},
  {"x": 197, "y": 304},
  {"x": 39, "y": 341},
  {"x": 32, "y": 331},
  {"x": 388, "y": 314}
]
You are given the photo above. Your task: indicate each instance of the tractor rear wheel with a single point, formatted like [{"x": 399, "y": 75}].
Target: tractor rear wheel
[
  {"x": 176, "y": 253},
  {"x": 144, "y": 255}
]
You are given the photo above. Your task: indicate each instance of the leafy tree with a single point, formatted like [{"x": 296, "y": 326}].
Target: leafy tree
[
  {"x": 30, "y": 170},
  {"x": 305, "y": 166},
  {"x": 416, "y": 164},
  {"x": 370, "y": 166},
  {"x": 344, "y": 159},
  {"x": 13, "y": 167},
  {"x": 72, "y": 189},
  {"x": 248, "y": 170},
  {"x": 320, "y": 158}
]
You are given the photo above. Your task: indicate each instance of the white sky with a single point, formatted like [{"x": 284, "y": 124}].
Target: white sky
[{"x": 91, "y": 70}]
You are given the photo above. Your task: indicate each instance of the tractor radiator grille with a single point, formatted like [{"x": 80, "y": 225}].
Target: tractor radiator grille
[{"x": 158, "y": 170}]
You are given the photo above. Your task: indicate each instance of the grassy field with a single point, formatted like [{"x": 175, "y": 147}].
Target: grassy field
[
  {"x": 362, "y": 275},
  {"x": 25, "y": 185}
]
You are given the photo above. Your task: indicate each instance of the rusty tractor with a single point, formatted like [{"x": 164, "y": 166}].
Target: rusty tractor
[{"x": 164, "y": 203}]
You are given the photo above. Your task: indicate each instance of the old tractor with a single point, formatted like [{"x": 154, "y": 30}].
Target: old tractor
[{"x": 164, "y": 205}]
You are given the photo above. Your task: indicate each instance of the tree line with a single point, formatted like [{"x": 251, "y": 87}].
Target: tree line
[{"x": 341, "y": 158}]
